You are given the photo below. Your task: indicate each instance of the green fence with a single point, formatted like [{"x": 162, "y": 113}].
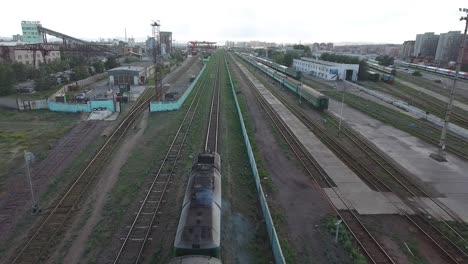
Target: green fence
[
  {"x": 274, "y": 241},
  {"x": 171, "y": 106},
  {"x": 88, "y": 107}
]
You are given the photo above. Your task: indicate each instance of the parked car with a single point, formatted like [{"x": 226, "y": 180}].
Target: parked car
[{"x": 80, "y": 96}]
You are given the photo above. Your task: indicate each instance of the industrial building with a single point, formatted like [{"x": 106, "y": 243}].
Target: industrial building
[
  {"x": 327, "y": 70},
  {"x": 448, "y": 47},
  {"x": 131, "y": 75},
  {"x": 31, "y": 33},
  {"x": 12, "y": 55},
  {"x": 166, "y": 42},
  {"x": 426, "y": 45}
]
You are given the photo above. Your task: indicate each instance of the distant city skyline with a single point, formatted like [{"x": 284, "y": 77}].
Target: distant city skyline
[{"x": 301, "y": 21}]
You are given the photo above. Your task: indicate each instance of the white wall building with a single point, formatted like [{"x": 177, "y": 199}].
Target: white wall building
[
  {"x": 27, "y": 57},
  {"x": 327, "y": 70}
]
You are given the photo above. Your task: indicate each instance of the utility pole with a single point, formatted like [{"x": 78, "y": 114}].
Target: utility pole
[
  {"x": 337, "y": 224},
  {"x": 440, "y": 155},
  {"x": 341, "y": 111},
  {"x": 156, "y": 60},
  {"x": 300, "y": 91},
  {"x": 28, "y": 158}
]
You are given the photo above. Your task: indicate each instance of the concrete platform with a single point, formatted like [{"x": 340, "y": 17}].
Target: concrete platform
[
  {"x": 354, "y": 193},
  {"x": 182, "y": 84},
  {"x": 450, "y": 178}
]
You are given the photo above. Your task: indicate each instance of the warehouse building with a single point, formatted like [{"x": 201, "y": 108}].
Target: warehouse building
[
  {"x": 28, "y": 57},
  {"x": 131, "y": 75},
  {"x": 327, "y": 70}
]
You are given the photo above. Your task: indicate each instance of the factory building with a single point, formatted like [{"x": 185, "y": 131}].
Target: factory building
[
  {"x": 448, "y": 47},
  {"x": 131, "y": 75},
  {"x": 31, "y": 33},
  {"x": 11, "y": 55},
  {"x": 426, "y": 45},
  {"x": 166, "y": 42},
  {"x": 327, "y": 70}
]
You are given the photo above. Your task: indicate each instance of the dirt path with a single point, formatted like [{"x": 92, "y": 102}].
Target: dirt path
[
  {"x": 98, "y": 197},
  {"x": 297, "y": 203}
]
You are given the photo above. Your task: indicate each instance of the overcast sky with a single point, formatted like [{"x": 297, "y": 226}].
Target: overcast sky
[{"x": 392, "y": 21}]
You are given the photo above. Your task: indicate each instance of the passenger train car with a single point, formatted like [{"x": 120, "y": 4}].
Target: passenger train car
[
  {"x": 199, "y": 227},
  {"x": 447, "y": 72},
  {"x": 281, "y": 68},
  {"x": 317, "y": 99}
]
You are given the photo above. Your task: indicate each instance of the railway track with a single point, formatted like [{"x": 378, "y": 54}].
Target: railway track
[
  {"x": 400, "y": 184},
  {"x": 369, "y": 245},
  {"x": 139, "y": 233},
  {"x": 41, "y": 242},
  {"x": 424, "y": 131},
  {"x": 173, "y": 78},
  {"x": 211, "y": 142},
  {"x": 433, "y": 105},
  {"x": 45, "y": 168}
]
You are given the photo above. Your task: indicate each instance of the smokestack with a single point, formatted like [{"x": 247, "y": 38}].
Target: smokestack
[{"x": 125, "y": 34}]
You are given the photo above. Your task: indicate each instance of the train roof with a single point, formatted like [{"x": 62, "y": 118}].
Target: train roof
[
  {"x": 195, "y": 259},
  {"x": 313, "y": 92},
  {"x": 199, "y": 225}
]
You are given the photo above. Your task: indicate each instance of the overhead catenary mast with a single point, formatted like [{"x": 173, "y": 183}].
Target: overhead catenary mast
[{"x": 157, "y": 61}]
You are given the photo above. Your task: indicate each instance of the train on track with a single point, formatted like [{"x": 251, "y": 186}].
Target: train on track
[
  {"x": 281, "y": 68},
  {"x": 442, "y": 71},
  {"x": 307, "y": 93},
  {"x": 198, "y": 235}
]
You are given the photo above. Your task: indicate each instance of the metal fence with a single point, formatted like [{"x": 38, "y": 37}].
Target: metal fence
[
  {"x": 31, "y": 104},
  {"x": 88, "y": 107},
  {"x": 170, "y": 106},
  {"x": 274, "y": 241}
]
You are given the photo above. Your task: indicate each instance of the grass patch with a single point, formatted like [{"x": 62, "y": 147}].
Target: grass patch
[
  {"x": 345, "y": 239},
  {"x": 236, "y": 164},
  {"x": 35, "y": 131},
  {"x": 54, "y": 190}
]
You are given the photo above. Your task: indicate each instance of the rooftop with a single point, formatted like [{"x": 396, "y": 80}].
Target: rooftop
[
  {"x": 128, "y": 68},
  {"x": 326, "y": 63}
]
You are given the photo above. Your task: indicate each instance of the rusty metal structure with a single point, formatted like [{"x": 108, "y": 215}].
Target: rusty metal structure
[
  {"x": 69, "y": 44},
  {"x": 157, "y": 60},
  {"x": 200, "y": 45}
]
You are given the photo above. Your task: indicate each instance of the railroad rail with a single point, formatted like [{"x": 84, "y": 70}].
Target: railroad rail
[
  {"x": 454, "y": 145},
  {"x": 42, "y": 240},
  {"x": 369, "y": 245},
  {"x": 428, "y": 103},
  {"x": 211, "y": 142},
  {"x": 399, "y": 183},
  {"x": 139, "y": 232},
  {"x": 173, "y": 78}
]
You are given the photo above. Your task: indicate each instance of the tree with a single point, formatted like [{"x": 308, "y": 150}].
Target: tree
[
  {"x": 44, "y": 83},
  {"x": 363, "y": 68},
  {"x": 261, "y": 52},
  {"x": 7, "y": 79},
  {"x": 385, "y": 60},
  {"x": 289, "y": 58},
  {"x": 416, "y": 73},
  {"x": 80, "y": 73},
  {"x": 98, "y": 66},
  {"x": 111, "y": 63}
]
